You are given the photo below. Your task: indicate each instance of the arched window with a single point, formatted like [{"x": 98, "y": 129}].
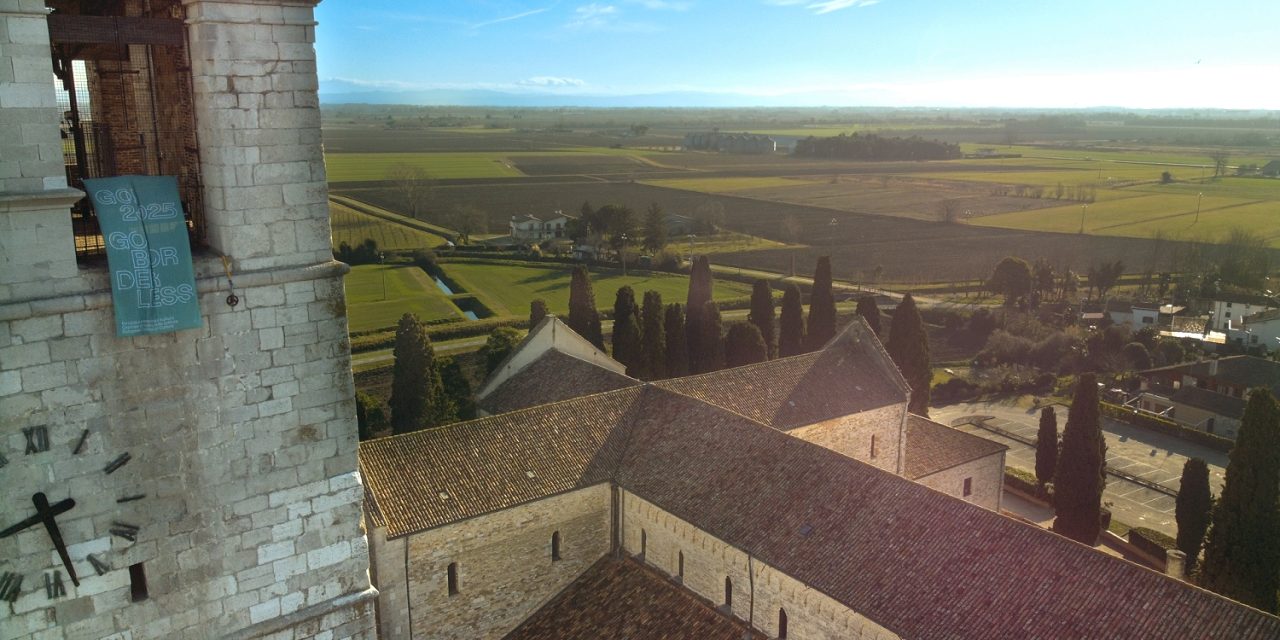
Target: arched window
[
  {"x": 555, "y": 546},
  {"x": 680, "y": 565},
  {"x": 453, "y": 578},
  {"x": 782, "y": 624},
  {"x": 644, "y": 540},
  {"x": 728, "y": 592}
]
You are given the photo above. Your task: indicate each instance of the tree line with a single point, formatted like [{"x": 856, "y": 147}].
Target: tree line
[{"x": 870, "y": 146}]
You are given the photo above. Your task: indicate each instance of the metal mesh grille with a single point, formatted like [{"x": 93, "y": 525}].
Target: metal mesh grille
[{"x": 126, "y": 109}]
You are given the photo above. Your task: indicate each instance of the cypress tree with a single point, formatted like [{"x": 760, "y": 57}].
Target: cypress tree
[
  {"x": 460, "y": 404},
  {"x": 744, "y": 345},
  {"x": 870, "y": 311},
  {"x": 909, "y": 347},
  {"x": 695, "y": 306},
  {"x": 416, "y": 391},
  {"x": 1194, "y": 509},
  {"x": 711, "y": 340},
  {"x": 537, "y": 311},
  {"x": 791, "y": 323},
  {"x": 653, "y": 335},
  {"x": 584, "y": 318},
  {"x": 1081, "y": 473},
  {"x": 761, "y": 315},
  {"x": 822, "y": 307},
  {"x": 626, "y": 330},
  {"x": 1047, "y": 446},
  {"x": 1241, "y": 556},
  {"x": 677, "y": 349},
  {"x": 370, "y": 417}
]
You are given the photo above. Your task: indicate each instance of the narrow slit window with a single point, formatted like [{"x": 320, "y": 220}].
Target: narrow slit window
[
  {"x": 873, "y": 446},
  {"x": 138, "y": 582},
  {"x": 782, "y": 624},
  {"x": 644, "y": 541},
  {"x": 968, "y": 486},
  {"x": 728, "y": 592},
  {"x": 453, "y": 578},
  {"x": 680, "y": 565},
  {"x": 555, "y": 546}
]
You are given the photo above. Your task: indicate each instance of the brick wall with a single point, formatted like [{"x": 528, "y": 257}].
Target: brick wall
[
  {"x": 851, "y": 435},
  {"x": 709, "y": 560},
  {"x": 505, "y": 570},
  {"x": 986, "y": 475}
]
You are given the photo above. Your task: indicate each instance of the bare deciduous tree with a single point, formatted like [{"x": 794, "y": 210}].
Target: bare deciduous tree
[{"x": 413, "y": 183}]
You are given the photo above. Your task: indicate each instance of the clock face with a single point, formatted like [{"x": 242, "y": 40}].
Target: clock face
[{"x": 55, "y": 544}]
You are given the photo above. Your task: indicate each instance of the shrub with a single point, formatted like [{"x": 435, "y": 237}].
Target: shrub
[
  {"x": 1025, "y": 482},
  {"x": 1151, "y": 541},
  {"x": 954, "y": 390}
]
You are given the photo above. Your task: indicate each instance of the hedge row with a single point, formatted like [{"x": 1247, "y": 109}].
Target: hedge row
[
  {"x": 1025, "y": 481},
  {"x": 451, "y": 331},
  {"x": 1151, "y": 541},
  {"x": 1169, "y": 427}
]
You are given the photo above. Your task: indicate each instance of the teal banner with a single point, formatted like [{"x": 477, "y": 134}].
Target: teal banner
[{"x": 153, "y": 283}]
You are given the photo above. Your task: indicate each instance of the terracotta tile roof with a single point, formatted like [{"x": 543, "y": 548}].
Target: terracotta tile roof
[
  {"x": 552, "y": 377},
  {"x": 920, "y": 563},
  {"x": 850, "y": 375},
  {"x": 934, "y": 447},
  {"x": 625, "y": 600},
  {"x": 435, "y": 476}
]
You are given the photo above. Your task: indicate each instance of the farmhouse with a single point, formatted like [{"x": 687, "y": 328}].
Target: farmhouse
[
  {"x": 532, "y": 228},
  {"x": 794, "y": 498}
]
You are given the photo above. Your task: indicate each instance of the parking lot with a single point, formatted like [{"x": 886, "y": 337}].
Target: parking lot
[{"x": 1151, "y": 457}]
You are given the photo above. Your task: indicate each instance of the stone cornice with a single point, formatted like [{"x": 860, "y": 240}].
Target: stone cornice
[{"x": 12, "y": 201}]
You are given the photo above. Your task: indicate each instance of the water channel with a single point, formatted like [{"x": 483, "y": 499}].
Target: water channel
[{"x": 470, "y": 315}]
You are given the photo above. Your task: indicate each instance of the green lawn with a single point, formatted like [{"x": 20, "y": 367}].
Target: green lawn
[
  {"x": 355, "y": 167},
  {"x": 724, "y": 185},
  {"x": 1140, "y": 217},
  {"x": 508, "y": 289},
  {"x": 353, "y": 227},
  {"x": 377, "y": 295}
]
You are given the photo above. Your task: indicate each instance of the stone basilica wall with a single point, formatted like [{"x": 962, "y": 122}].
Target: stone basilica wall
[
  {"x": 709, "y": 560},
  {"x": 852, "y": 436},
  {"x": 504, "y": 567},
  {"x": 986, "y": 474}
]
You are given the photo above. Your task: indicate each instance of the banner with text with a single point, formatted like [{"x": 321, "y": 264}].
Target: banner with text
[{"x": 148, "y": 253}]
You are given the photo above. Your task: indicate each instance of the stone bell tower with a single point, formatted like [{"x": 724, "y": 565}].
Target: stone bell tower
[{"x": 197, "y": 483}]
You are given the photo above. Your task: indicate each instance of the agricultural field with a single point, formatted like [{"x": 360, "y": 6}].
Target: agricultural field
[
  {"x": 353, "y": 227},
  {"x": 508, "y": 289},
  {"x": 377, "y": 295}
]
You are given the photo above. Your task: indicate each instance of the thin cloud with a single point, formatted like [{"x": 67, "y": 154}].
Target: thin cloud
[
  {"x": 823, "y": 6},
  {"x": 663, "y": 5},
  {"x": 517, "y": 16},
  {"x": 592, "y": 16},
  {"x": 552, "y": 81}
]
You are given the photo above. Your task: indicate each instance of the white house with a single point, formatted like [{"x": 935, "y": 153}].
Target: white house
[
  {"x": 1258, "y": 330},
  {"x": 531, "y": 228},
  {"x": 1230, "y": 312}
]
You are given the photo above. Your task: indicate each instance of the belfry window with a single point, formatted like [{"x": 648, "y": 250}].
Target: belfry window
[{"x": 122, "y": 78}]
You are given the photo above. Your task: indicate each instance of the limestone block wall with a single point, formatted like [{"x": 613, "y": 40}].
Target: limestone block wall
[
  {"x": 852, "y": 436},
  {"x": 986, "y": 477},
  {"x": 258, "y": 119},
  {"x": 242, "y": 440},
  {"x": 709, "y": 560},
  {"x": 504, "y": 567}
]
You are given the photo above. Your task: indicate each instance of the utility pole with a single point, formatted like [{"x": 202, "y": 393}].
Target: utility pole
[
  {"x": 1198, "y": 197},
  {"x": 1083, "y": 208}
]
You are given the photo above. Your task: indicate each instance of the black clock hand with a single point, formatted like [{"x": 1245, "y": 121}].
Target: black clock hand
[
  {"x": 61, "y": 507},
  {"x": 46, "y": 514}
]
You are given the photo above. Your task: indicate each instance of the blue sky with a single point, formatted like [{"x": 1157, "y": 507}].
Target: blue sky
[{"x": 1013, "y": 53}]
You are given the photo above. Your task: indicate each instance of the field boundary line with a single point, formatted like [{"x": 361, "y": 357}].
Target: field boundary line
[{"x": 383, "y": 214}]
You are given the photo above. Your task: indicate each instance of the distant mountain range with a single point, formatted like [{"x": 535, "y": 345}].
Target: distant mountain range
[{"x": 334, "y": 92}]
